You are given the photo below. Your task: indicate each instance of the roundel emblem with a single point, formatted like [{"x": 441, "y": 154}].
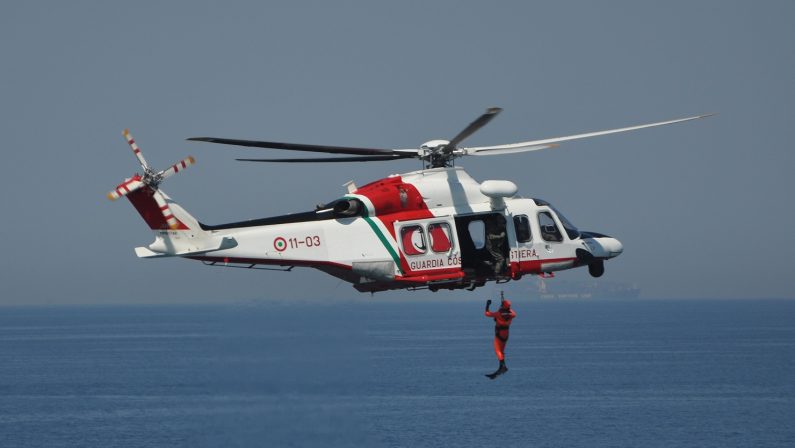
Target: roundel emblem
[{"x": 280, "y": 244}]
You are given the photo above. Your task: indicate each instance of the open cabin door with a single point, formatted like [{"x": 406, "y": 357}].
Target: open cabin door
[{"x": 485, "y": 249}]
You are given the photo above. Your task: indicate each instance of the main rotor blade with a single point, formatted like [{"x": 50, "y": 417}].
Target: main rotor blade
[
  {"x": 334, "y": 159},
  {"x": 296, "y": 146},
  {"x": 535, "y": 145},
  {"x": 472, "y": 128},
  {"x": 505, "y": 149}
]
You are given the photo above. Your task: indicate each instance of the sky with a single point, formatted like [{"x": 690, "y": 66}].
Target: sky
[{"x": 702, "y": 208}]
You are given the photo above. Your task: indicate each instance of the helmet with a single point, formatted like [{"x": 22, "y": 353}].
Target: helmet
[{"x": 505, "y": 303}]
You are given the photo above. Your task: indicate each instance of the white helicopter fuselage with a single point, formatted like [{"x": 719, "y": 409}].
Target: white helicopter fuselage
[{"x": 436, "y": 228}]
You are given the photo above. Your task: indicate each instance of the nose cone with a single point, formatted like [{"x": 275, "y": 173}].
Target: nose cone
[
  {"x": 602, "y": 246},
  {"x": 613, "y": 247}
]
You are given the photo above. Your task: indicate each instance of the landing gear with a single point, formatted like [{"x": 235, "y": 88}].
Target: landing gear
[{"x": 596, "y": 269}]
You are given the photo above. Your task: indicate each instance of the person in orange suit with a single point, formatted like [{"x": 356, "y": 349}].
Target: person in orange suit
[{"x": 502, "y": 323}]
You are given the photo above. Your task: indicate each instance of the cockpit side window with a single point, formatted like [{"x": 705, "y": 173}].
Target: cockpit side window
[
  {"x": 522, "y": 225},
  {"x": 571, "y": 229},
  {"x": 549, "y": 230}
]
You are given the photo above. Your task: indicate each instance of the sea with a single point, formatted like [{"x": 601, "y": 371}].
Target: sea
[{"x": 367, "y": 373}]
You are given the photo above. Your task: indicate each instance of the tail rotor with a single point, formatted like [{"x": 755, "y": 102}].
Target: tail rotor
[{"x": 150, "y": 179}]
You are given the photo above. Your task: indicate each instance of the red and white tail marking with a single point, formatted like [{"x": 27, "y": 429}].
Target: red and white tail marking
[
  {"x": 177, "y": 167},
  {"x": 165, "y": 210},
  {"x": 125, "y": 188},
  {"x": 135, "y": 148}
]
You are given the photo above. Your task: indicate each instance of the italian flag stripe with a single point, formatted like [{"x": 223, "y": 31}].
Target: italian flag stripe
[{"x": 381, "y": 237}]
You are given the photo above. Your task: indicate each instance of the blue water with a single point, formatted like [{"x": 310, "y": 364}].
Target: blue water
[{"x": 582, "y": 374}]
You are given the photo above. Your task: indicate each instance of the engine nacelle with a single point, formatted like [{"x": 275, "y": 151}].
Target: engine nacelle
[{"x": 348, "y": 207}]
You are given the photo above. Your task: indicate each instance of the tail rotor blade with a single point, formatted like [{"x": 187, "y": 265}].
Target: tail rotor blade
[
  {"x": 177, "y": 167},
  {"x": 167, "y": 214},
  {"x": 125, "y": 188},
  {"x": 135, "y": 148}
]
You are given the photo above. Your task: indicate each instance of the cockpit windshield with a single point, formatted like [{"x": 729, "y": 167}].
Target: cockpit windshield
[{"x": 570, "y": 228}]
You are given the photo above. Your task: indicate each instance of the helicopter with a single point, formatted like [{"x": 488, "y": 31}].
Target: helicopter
[{"x": 434, "y": 228}]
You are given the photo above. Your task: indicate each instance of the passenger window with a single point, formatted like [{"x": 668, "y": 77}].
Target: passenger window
[
  {"x": 477, "y": 231},
  {"x": 522, "y": 225},
  {"x": 413, "y": 239},
  {"x": 549, "y": 230},
  {"x": 440, "y": 237}
]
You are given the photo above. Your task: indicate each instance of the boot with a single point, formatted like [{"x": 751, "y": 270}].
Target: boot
[{"x": 500, "y": 370}]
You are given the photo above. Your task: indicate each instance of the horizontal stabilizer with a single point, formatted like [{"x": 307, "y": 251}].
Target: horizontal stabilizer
[
  {"x": 147, "y": 252},
  {"x": 143, "y": 252}
]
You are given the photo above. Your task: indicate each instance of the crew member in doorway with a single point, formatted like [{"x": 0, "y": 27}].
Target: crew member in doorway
[
  {"x": 495, "y": 245},
  {"x": 502, "y": 323}
]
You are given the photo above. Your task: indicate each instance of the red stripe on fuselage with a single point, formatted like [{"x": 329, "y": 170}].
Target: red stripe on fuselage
[
  {"x": 271, "y": 262},
  {"x": 431, "y": 277},
  {"x": 536, "y": 266}
]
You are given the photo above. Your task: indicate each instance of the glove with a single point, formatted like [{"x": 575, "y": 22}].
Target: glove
[{"x": 488, "y": 303}]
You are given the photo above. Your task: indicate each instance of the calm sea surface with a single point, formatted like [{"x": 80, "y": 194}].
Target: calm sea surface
[{"x": 582, "y": 374}]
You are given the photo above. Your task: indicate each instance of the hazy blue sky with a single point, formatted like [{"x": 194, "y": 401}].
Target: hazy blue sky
[{"x": 704, "y": 209}]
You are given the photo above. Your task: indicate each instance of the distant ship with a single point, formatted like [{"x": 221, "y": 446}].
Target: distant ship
[{"x": 573, "y": 289}]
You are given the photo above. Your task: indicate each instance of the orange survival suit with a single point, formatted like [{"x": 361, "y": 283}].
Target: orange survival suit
[{"x": 502, "y": 323}]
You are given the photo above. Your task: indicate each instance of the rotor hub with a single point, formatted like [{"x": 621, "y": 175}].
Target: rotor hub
[
  {"x": 151, "y": 177},
  {"x": 434, "y": 144},
  {"x": 434, "y": 154}
]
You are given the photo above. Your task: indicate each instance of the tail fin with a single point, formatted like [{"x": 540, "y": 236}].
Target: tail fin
[{"x": 144, "y": 201}]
